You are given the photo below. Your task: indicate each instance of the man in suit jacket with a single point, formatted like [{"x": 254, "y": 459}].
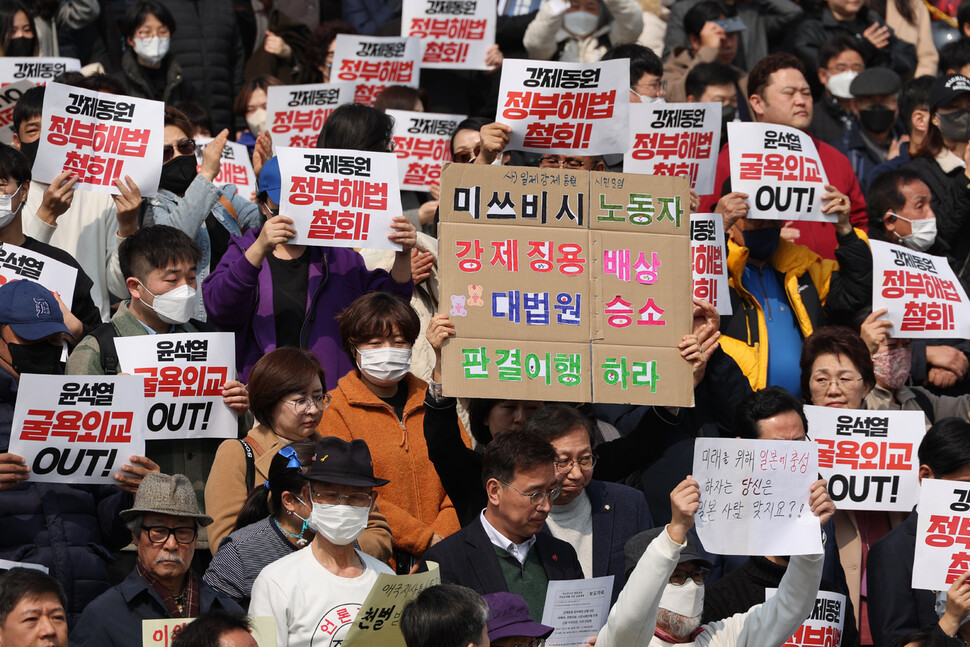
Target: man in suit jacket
[{"x": 503, "y": 549}]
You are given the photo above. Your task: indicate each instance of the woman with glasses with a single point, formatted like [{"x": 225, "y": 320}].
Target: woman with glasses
[
  {"x": 286, "y": 396},
  {"x": 149, "y": 71}
]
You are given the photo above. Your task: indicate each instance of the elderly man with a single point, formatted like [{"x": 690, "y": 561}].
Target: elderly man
[
  {"x": 32, "y": 609},
  {"x": 164, "y": 523}
]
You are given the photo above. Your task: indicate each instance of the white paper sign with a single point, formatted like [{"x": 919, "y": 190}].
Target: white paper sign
[
  {"x": 78, "y": 429},
  {"x": 780, "y": 170},
  {"x": 184, "y": 376},
  {"x": 340, "y": 198},
  {"x": 9, "y": 96},
  {"x": 39, "y": 69},
  {"x": 824, "y": 628},
  {"x": 236, "y": 167},
  {"x": 161, "y": 632},
  {"x": 924, "y": 298},
  {"x": 868, "y": 457},
  {"x": 455, "y": 34},
  {"x": 372, "y": 63},
  {"x": 678, "y": 139},
  {"x": 17, "y": 263},
  {"x": 100, "y": 137},
  {"x": 577, "y": 609},
  {"x": 942, "y": 534},
  {"x": 422, "y": 143},
  {"x": 6, "y": 565},
  {"x": 295, "y": 114},
  {"x": 566, "y": 108},
  {"x": 755, "y": 496},
  {"x": 709, "y": 258}
]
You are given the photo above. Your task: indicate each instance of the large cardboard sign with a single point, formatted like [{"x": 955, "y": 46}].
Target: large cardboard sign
[
  {"x": 78, "y": 429},
  {"x": 377, "y": 623},
  {"x": 100, "y": 137},
  {"x": 566, "y": 108},
  {"x": 755, "y": 496},
  {"x": 340, "y": 198},
  {"x": 824, "y": 628},
  {"x": 236, "y": 167},
  {"x": 295, "y": 114},
  {"x": 675, "y": 139},
  {"x": 422, "y": 143},
  {"x": 17, "y": 263},
  {"x": 372, "y": 63},
  {"x": 37, "y": 69},
  {"x": 9, "y": 96},
  {"x": 868, "y": 457},
  {"x": 455, "y": 34},
  {"x": 565, "y": 285},
  {"x": 924, "y": 298},
  {"x": 709, "y": 256},
  {"x": 780, "y": 170},
  {"x": 184, "y": 377},
  {"x": 942, "y": 534}
]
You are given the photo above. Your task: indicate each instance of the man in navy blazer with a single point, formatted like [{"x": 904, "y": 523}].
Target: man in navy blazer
[{"x": 503, "y": 550}]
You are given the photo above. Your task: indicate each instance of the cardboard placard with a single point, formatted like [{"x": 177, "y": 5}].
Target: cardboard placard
[
  {"x": 78, "y": 429},
  {"x": 924, "y": 298},
  {"x": 377, "y": 621},
  {"x": 17, "y": 263},
  {"x": 868, "y": 457},
  {"x": 184, "y": 377},
  {"x": 455, "y": 34},
  {"x": 236, "y": 167},
  {"x": 422, "y": 143},
  {"x": 37, "y": 69},
  {"x": 942, "y": 534},
  {"x": 824, "y": 628},
  {"x": 372, "y": 63},
  {"x": 9, "y": 96},
  {"x": 709, "y": 258},
  {"x": 295, "y": 114},
  {"x": 161, "y": 633}
]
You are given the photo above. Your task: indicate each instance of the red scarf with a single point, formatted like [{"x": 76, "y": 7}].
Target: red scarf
[
  {"x": 191, "y": 607},
  {"x": 664, "y": 636}
]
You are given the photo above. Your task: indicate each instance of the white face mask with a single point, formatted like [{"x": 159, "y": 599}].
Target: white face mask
[
  {"x": 685, "y": 600},
  {"x": 175, "y": 306},
  {"x": 152, "y": 50},
  {"x": 923, "y": 236},
  {"x": 338, "y": 524},
  {"x": 580, "y": 23},
  {"x": 645, "y": 99},
  {"x": 6, "y": 214},
  {"x": 384, "y": 365},
  {"x": 256, "y": 120},
  {"x": 838, "y": 84}
]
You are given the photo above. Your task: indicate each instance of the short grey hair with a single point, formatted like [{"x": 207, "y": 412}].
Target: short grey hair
[{"x": 134, "y": 525}]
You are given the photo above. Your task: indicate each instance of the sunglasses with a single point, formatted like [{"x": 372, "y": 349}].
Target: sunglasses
[{"x": 184, "y": 146}]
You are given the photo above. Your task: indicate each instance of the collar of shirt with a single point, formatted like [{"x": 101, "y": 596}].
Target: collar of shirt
[
  {"x": 518, "y": 551},
  {"x": 150, "y": 330}
]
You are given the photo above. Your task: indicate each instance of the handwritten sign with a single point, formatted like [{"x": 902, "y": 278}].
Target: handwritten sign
[
  {"x": 37, "y": 69},
  {"x": 924, "y": 298},
  {"x": 942, "y": 534},
  {"x": 755, "y": 496},
  {"x": 780, "y": 170},
  {"x": 296, "y": 113},
  {"x": 9, "y": 96},
  {"x": 824, "y": 628},
  {"x": 78, "y": 428},
  {"x": 18, "y": 263},
  {"x": 161, "y": 633},
  {"x": 709, "y": 258},
  {"x": 675, "y": 139},
  {"x": 577, "y": 609},
  {"x": 377, "y": 622},
  {"x": 566, "y": 108},
  {"x": 100, "y": 137},
  {"x": 422, "y": 143},
  {"x": 236, "y": 167},
  {"x": 372, "y": 63},
  {"x": 455, "y": 34}
]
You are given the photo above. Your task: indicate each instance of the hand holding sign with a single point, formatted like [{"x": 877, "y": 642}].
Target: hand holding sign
[
  {"x": 495, "y": 137},
  {"x": 130, "y": 476},
  {"x": 685, "y": 500},
  {"x": 212, "y": 156},
  {"x": 821, "y": 502},
  {"x": 13, "y": 470},
  {"x": 957, "y": 605},
  {"x": 875, "y": 330},
  {"x": 57, "y": 198},
  {"x": 837, "y": 203},
  {"x": 236, "y": 396},
  {"x": 732, "y": 208},
  {"x": 127, "y": 206}
]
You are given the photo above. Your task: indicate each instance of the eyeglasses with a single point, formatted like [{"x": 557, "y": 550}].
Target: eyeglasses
[
  {"x": 466, "y": 156},
  {"x": 329, "y": 497},
  {"x": 302, "y": 406},
  {"x": 843, "y": 67},
  {"x": 568, "y": 162},
  {"x": 680, "y": 578},
  {"x": 537, "y": 498},
  {"x": 660, "y": 87},
  {"x": 161, "y": 32},
  {"x": 184, "y": 146},
  {"x": 160, "y": 534},
  {"x": 564, "y": 465},
  {"x": 844, "y": 382}
]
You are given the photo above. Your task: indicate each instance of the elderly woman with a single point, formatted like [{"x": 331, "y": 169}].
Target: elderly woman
[{"x": 286, "y": 397}]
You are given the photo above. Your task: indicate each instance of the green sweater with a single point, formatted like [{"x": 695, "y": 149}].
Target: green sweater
[{"x": 528, "y": 580}]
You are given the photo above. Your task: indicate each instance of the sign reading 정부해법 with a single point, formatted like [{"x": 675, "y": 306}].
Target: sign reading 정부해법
[
  {"x": 236, "y": 167},
  {"x": 372, "y": 63},
  {"x": 709, "y": 257},
  {"x": 824, "y": 627},
  {"x": 455, "y": 34},
  {"x": 422, "y": 143},
  {"x": 942, "y": 534},
  {"x": 296, "y": 113}
]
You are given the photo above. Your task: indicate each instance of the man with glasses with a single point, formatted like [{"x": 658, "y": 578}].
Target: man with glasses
[
  {"x": 503, "y": 550},
  {"x": 646, "y": 72},
  {"x": 164, "y": 523}
]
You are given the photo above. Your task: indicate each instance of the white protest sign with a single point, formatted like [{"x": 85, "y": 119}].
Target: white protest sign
[
  {"x": 9, "y": 96},
  {"x": 38, "y": 69},
  {"x": 372, "y": 63},
  {"x": 942, "y": 534},
  {"x": 455, "y": 34},
  {"x": 340, "y": 198},
  {"x": 709, "y": 258},
  {"x": 868, "y": 457},
  {"x": 6, "y": 565},
  {"x": 577, "y": 609},
  {"x": 296, "y": 113},
  {"x": 100, "y": 138},
  {"x": 17, "y": 263},
  {"x": 780, "y": 170},
  {"x": 566, "y": 108},
  {"x": 78, "y": 429},
  {"x": 924, "y": 298},
  {"x": 678, "y": 139},
  {"x": 824, "y": 628},
  {"x": 184, "y": 376},
  {"x": 422, "y": 143},
  {"x": 755, "y": 496},
  {"x": 236, "y": 167},
  {"x": 161, "y": 632}
]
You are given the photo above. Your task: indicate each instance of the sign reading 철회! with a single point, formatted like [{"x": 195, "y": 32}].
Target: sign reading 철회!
[
  {"x": 455, "y": 34},
  {"x": 942, "y": 534},
  {"x": 372, "y": 63},
  {"x": 422, "y": 143},
  {"x": 709, "y": 257}
]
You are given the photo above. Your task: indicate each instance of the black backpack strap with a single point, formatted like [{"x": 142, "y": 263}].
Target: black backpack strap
[
  {"x": 925, "y": 404},
  {"x": 250, "y": 465},
  {"x": 105, "y": 334}
]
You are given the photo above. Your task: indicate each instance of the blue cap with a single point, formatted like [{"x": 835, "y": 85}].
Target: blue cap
[
  {"x": 269, "y": 179},
  {"x": 30, "y": 310}
]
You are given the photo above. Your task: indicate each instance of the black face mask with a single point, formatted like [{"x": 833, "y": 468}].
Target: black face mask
[
  {"x": 877, "y": 119},
  {"x": 178, "y": 174},
  {"x": 20, "y": 47},
  {"x": 30, "y": 150},
  {"x": 42, "y": 358}
]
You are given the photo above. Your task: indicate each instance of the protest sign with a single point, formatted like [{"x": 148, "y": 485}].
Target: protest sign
[
  {"x": 78, "y": 429},
  {"x": 942, "y": 534},
  {"x": 377, "y": 620},
  {"x": 340, "y": 198},
  {"x": 923, "y": 297},
  {"x": 824, "y": 627},
  {"x": 675, "y": 139},
  {"x": 9, "y": 96},
  {"x": 372, "y": 63},
  {"x": 184, "y": 376},
  {"x": 18, "y": 263},
  {"x": 780, "y": 170},
  {"x": 161, "y": 632},
  {"x": 37, "y": 69},
  {"x": 577, "y": 609},
  {"x": 566, "y": 108},
  {"x": 236, "y": 167},
  {"x": 868, "y": 457},
  {"x": 6, "y": 565},
  {"x": 100, "y": 137},
  {"x": 709, "y": 257},
  {"x": 296, "y": 113},
  {"x": 755, "y": 496},
  {"x": 422, "y": 143},
  {"x": 455, "y": 34}
]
